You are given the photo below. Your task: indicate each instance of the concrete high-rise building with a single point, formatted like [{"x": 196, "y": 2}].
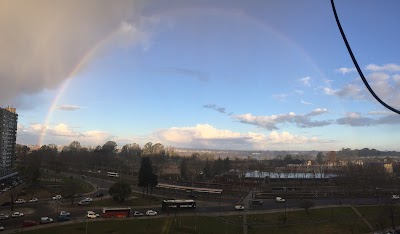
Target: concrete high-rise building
[{"x": 8, "y": 136}]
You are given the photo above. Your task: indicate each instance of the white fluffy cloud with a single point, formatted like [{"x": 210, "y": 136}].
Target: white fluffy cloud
[
  {"x": 271, "y": 122},
  {"x": 207, "y": 136},
  {"x": 385, "y": 68},
  {"x": 60, "y": 134}
]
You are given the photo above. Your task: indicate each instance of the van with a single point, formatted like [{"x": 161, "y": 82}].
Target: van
[
  {"x": 84, "y": 202},
  {"x": 44, "y": 220}
]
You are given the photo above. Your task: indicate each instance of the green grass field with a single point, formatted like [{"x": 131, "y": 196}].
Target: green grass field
[{"x": 327, "y": 220}]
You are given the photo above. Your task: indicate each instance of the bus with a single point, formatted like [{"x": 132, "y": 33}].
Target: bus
[
  {"x": 112, "y": 174},
  {"x": 116, "y": 212},
  {"x": 176, "y": 204}
]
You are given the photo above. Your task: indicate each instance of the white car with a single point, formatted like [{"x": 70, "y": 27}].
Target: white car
[
  {"x": 137, "y": 213},
  {"x": 4, "y": 216},
  {"x": 17, "y": 214},
  {"x": 92, "y": 215},
  {"x": 65, "y": 213},
  {"x": 44, "y": 220},
  {"x": 280, "y": 199},
  {"x": 87, "y": 199},
  {"x": 57, "y": 197},
  {"x": 19, "y": 201},
  {"x": 34, "y": 200},
  {"x": 151, "y": 213},
  {"x": 239, "y": 207},
  {"x": 395, "y": 197}
]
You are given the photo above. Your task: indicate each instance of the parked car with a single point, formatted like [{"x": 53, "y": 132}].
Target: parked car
[
  {"x": 19, "y": 201},
  {"x": 17, "y": 214},
  {"x": 92, "y": 215},
  {"x": 34, "y": 200},
  {"x": 279, "y": 199},
  {"x": 83, "y": 202},
  {"x": 151, "y": 213},
  {"x": 57, "y": 197},
  {"x": 1, "y": 227},
  {"x": 4, "y": 216},
  {"x": 44, "y": 220},
  {"x": 100, "y": 194},
  {"x": 395, "y": 197},
  {"x": 29, "y": 223},
  {"x": 137, "y": 213},
  {"x": 239, "y": 207}
]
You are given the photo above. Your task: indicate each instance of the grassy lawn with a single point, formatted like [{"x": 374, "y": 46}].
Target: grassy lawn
[
  {"x": 344, "y": 220},
  {"x": 327, "y": 220},
  {"x": 379, "y": 216},
  {"x": 138, "y": 200},
  {"x": 162, "y": 225}
]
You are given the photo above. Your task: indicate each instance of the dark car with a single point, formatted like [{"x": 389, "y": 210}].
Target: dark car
[
  {"x": 63, "y": 218},
  {"x": 29, "y": 223},
  {"x": 100, "y": 195},
  {"x": 192, "y": 196}
]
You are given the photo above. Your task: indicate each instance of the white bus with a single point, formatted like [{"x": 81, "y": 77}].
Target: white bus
[{"x": 112, "y": 174}]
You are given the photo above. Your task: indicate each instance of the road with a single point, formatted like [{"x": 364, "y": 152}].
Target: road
[{"x": 205, "y": 205}]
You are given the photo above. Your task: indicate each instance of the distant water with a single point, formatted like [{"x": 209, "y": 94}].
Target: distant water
[{"x": 288, "y": 175}]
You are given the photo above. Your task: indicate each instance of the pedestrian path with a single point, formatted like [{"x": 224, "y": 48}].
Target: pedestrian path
[{"x": 363, "y": 219}]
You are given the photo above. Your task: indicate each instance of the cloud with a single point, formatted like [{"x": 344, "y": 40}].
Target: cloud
[
  {"x": 61, "y": 134},
  {"x": 209, "y": 137},
  {"x": 299, "y": 92},
  {"x": 43, "y": 41},
  {"x": 271, "y": 122},
  {"x": 215, "y": 107},
  {"x": 198, "y": 75},
  {"x": 68, "y": 107},
  {"x": 355, "y": 119},
  {"x": 345, "y": 70},
  {"x": 385, "y": 68},
  {"x": 305, "y": 103},
  {"x": 348, "y": 91},
  {"x": 306, "y": 81}
]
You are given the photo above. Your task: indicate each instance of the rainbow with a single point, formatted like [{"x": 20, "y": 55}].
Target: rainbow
[
  {"x": 64, "y": 86},
  {"x": 89, "y": 54}
]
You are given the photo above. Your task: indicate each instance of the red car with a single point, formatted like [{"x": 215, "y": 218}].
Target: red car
[{"x": 29, "y": 223}]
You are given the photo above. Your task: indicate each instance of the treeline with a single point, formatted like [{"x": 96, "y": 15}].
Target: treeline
[{"x": 366, "y": 152}]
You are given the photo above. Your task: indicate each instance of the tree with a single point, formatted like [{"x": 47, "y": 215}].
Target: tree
[
  {"x": 320, "y": 158},
  {"x": 306, "y": 205},
  {"x": 120, "y": 191},
  {"x": 110, "y": 147},
  {"x": 184, "y": 168},
  {"x": 148, "y": 148},
  {"x": 146, "y": 177},
  {"x": 70, "y": 189}
]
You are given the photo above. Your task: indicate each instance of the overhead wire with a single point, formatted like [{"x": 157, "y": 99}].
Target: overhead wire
[{"x": 356, "y": 64}]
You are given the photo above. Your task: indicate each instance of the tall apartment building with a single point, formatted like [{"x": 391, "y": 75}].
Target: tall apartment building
[{"x": 8, "y": 136}]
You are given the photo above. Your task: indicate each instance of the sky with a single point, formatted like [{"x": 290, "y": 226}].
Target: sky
[{"x": 239, "y": 75}]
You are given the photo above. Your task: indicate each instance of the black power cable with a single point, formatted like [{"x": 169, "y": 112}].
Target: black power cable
[{"x": 356, "y": 64}]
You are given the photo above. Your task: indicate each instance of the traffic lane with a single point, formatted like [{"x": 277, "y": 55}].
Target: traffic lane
[{"x": 35, "y": 215}]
